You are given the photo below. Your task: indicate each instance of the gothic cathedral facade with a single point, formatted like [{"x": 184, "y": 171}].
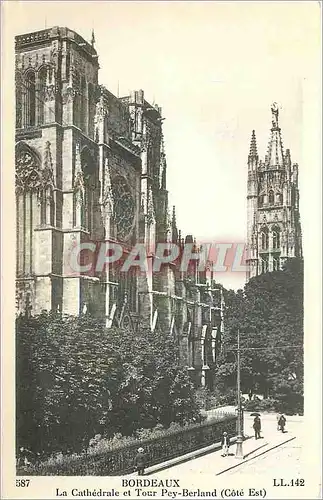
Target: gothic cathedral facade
[
  {"x": 91, "y": 166},
  {"x": 273, "y": 218}
]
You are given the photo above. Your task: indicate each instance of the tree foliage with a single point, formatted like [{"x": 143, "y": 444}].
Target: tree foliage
[
  {"x": 75, "y": 378},
  {"x": 269, "y": 315}
]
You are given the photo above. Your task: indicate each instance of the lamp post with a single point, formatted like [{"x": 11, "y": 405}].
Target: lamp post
[{"x": 239, "y": 450}]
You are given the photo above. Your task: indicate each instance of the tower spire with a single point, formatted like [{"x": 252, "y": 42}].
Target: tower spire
[{"x": 275, "y": 156}]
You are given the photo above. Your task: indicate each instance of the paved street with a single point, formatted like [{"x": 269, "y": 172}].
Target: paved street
[
  {"x": 285, "y": 455},
  {"x": 286, "y": 458}
]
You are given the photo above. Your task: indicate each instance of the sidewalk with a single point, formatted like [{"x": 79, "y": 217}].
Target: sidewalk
[{"x": 210, "y": 457}]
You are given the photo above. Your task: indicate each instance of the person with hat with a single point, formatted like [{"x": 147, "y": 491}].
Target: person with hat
[
  {"x": 140, "y": 461},
  {"x": 225, "y": 443},
  {"x": 257, "y": 426},
  {"x": 281, "y": 423}
]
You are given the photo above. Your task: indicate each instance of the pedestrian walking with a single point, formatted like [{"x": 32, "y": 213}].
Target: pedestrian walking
[
  {"x": 257, "y": 427},
  {"x": 282, "y": 423},
  {"x": 225, "y": 443},
  {"x": 140, "y": 461}
]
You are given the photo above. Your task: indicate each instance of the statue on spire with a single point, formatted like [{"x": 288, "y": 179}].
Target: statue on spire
[
  {"x": 274, "y": 112},
  {"x": 92, "y": 38}
]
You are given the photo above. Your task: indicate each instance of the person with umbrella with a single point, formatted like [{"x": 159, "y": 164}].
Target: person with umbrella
[{"x": 256, "y": 424}]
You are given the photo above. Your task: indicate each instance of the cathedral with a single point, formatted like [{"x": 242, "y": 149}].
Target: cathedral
[
  {"x": 273, "y": 219},
  {"x": 91, "y": 166}
]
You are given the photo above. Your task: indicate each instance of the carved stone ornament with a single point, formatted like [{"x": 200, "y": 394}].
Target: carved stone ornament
[
  {"x": 69, "y": 92},
  {"x": 47, "y": 172},
  {"x": 28, "y": 172},
  {"x": 107, "y": 200},
  {"x": 146, "y": 142},
  {"x": 100, "y": 112},
  {"x": 50, "y": 89},
  {"x": 79, "y": 188},
  {"x": 150, "y": 209}
]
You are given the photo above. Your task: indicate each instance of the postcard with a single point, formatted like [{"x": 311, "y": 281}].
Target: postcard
[{"x": 161, "y": 255}]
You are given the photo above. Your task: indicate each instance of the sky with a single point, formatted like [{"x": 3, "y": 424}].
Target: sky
[{"x": 215, "y": 68}]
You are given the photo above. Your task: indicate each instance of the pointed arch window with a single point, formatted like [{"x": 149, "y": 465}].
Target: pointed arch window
[
  {"x": 91, "y": 109},
  {"x": 261, "y": 200},
  {"x": 279, "y": 198},
  {"x": 88, "y": 169},
  {"x": 276, "y": 238},
  {"x": 271, "y": 197},
  {"x": 19, "y": 95},
  {"x": 30, "y": 99},
  {"x": 84, "y": 105},
  {"x": 264, "y": 239},
  {"x": 77, "y": 101},
  {"x": 28, "y": 190},
  {"x": 41, "y": 88}
]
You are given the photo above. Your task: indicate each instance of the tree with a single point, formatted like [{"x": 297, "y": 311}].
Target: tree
[
  {"x": 269, "y": 314},
  {"x": 75, "y": 378}
]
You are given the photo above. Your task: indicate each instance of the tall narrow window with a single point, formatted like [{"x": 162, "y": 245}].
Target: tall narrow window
[
  {"x": 271, "y": 198},
  {"x": 77, "y": 102},
  {"x": 18, "y": 100},
  {"x": 264, "y": 239},
  {"x": 264, "y": 264},
  {"x": 276, "y": 238},
  {"x": 90, "y": 114},
  {"x": 276, "y": 265},
  {"x": 88, "y": 169},
  {"x": 279, "y": 198},
  {"x": 28, "y": 185},
  {"x": 30, "y": 100},
  {"x": 84, "y": 105},
  {"x": 41, "y": 86}
]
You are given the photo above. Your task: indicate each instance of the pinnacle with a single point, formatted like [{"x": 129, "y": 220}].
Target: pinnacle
[{"x": 253, "y": 145}]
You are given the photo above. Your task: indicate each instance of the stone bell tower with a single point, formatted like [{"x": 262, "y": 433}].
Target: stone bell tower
[{"x": 273, "y": 219}]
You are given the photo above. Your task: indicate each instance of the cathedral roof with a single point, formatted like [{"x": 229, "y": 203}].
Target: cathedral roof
[{"x": 275, "y": 154}]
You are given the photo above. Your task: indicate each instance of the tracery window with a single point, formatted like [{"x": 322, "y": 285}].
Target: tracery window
[
  {"x": 264, "y": 237},
  {"x": 28, "y": 189},
  {"x": 271, "y": 197},
  {"x": 124, "y": 207},
  {"x": 30, "y": 97}
]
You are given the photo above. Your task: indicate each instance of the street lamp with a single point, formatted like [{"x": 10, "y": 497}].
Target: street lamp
[{"x": 239, "y": 450}]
